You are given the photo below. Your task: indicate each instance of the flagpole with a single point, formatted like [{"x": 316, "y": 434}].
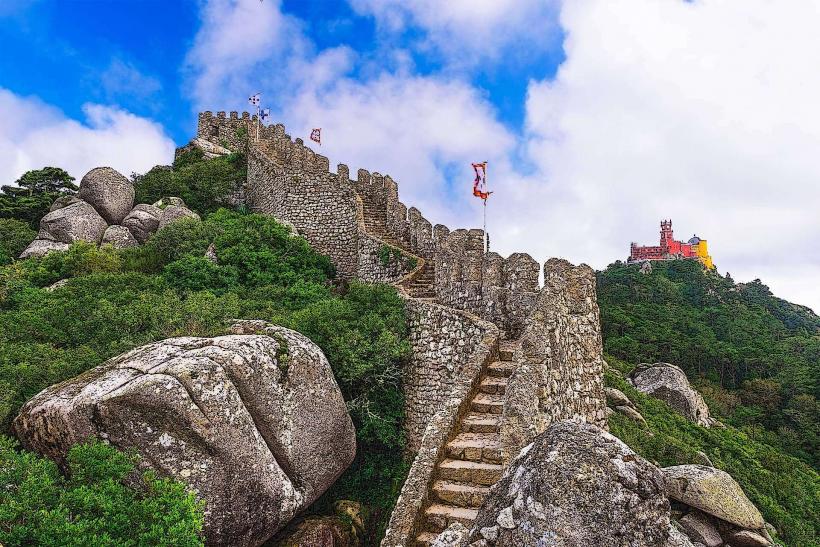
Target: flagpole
[
  {"x": 487, "y": 189},
  {"x": 257, "y": 123}
]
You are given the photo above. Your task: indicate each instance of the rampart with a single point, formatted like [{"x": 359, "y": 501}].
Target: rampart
[
  {"x": 475, "y": 299},
  {"x": 560, "y": 364}
]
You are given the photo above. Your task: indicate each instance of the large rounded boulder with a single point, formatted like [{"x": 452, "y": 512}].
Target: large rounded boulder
[
  {"x": 172, "y": 213},
  {"x": 76, "y": 222},
  {"x": 41, "y": 247},
  {"x": 255, "y": 424},
  {"x": 109, "y": 192},
  {"x": 669, "y": 383},
  {"x": 142, "y": 221},
  {"x": 120, "y": 237},
  {"x": 714, "y": 492},
  {"x": 575, "y": 485}
]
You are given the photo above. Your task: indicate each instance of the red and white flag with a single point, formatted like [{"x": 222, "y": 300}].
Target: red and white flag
[
  {"x": 316, "y": 135},
  {"x": 480, "y": 182}
]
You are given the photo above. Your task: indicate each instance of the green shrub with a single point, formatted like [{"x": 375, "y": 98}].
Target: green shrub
[
  {"x": 197, "y": 273},
  {"x": 201, "y": 183},
  {"x": 92, "y": 505},
  {"x": 14, "y": 237}
]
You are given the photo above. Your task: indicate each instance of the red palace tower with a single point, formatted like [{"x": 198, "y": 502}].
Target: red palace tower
[{"x": 671, "y": 249}]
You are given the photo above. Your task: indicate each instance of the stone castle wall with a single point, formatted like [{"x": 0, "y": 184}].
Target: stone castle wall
[
  {"x": 288, "y": 180},
  {"x": 444, "y": 343},
  {"x": 559, "y": 373},
  {"x": 319, "y": 206}
]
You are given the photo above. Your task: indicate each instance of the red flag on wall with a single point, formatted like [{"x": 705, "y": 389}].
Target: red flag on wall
[
  {"x": 316, "y": 135},
  {"x": 480, "y": 182}
]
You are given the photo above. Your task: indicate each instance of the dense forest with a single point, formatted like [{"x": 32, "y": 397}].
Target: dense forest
[
  {"x": 754, "y": 357},
  {"x": 115, "y": 300}
]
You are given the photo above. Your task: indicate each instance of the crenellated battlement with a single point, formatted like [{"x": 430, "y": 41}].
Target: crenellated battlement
[
  {"x": 499, "y": 289},
  {"x": 461, "y": 300}
]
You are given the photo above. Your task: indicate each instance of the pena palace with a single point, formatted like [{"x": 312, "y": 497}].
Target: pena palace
[{"x": 670, "y": 249}]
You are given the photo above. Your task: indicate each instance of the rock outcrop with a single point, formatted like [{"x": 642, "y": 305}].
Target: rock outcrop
[
  {"x": 714, "y": 492},
  {"x": 63, "y": 201},
  {"x": 575, "y": 485},
  {"x": 109, "y": 192},
  {"x": 102, "y": 213},
  {"x": 120, "y": 237},
  {"x": 669, "y": 383},
  {"x": 142, "y": 221},
  {"x": 76, "y": 222},
  {"x": 255, "y": 424},
  {"x": 173, "y": 213},
  {"x": 317, "y": 531},
  {"x": 41, "y": 247}
]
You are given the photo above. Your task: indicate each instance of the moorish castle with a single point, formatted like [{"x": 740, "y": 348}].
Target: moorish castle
[{"x": 496, "y": 358}]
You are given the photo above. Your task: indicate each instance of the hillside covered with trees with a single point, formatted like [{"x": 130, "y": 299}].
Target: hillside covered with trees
[{"x": 753, "y": 356}]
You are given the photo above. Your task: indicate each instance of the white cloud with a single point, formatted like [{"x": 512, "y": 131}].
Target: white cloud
[
  {"x": 239, "y": 44},
  {"x": 34, "y": 135},
  {"x": 466, "y": 32},
  {"x": 123, "y": 78},
  {"x": 703, "y": 112}
]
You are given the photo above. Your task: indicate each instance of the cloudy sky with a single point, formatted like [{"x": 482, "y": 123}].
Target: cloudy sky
[{"x": 598, "y": 117}]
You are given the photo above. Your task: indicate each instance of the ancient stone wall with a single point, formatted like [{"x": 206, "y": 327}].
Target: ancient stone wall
[
  {"x": 231, "y": 130},
  {"x": 478, "y": 351},
  {"x": 444, "y": 342},
  {"x": 481, "y": 296},
  {"x": 321, "y": 205},
  {"x": 380, "y": 262},
  {"x": 559, "y": 373},
  {"x": 500, "y": 290}
]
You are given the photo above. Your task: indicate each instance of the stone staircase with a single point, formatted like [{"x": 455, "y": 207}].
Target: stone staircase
[
  {"x": 422, "y": 286},
  {"x": 473, "y": 457},
  {"x": 472, "y": 462}
]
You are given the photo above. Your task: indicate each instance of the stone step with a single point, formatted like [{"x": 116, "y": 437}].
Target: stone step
[
  {"x": 478, "y": 473},
  {"x": 477, "y": 422},
  {"x": 488, "y": 402},
  {"x": 425, "y": 539},
  {"x": 476, "y": 447},
  {"x": 440, "y": 516},
  {"x": 501, "y": 369},
  {"x": 460, "y": 494},
  {"x": 494, "y": 384}
]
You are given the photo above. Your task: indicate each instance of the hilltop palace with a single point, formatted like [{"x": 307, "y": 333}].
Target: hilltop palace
[{"x": 671, "y": 249}]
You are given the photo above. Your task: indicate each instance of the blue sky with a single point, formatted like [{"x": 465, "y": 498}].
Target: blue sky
[
  {"x": 599, "y": 118},
  {"x": 71, "y": 52}
]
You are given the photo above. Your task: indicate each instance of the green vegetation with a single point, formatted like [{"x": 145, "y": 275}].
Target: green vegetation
[
  {"x": 388, "y": 254},
  {"x": 34, "y": 192},
  {"x": 15, "y": 236},
  {"x": 92, "y": 505},
  {"x": 202, "y": 184},
  {"x": 754, "y": 357},
  {"x": 785, "y": 489},
  {"x": 115, "y": 300}
]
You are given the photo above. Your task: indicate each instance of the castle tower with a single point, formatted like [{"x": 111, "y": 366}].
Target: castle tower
[{"x": 667, "y": 237}]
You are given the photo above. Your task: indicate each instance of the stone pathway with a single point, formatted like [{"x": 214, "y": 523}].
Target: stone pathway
[
  {"x": 473, "y": 460},
  {"x": 376, "y": 224}
]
